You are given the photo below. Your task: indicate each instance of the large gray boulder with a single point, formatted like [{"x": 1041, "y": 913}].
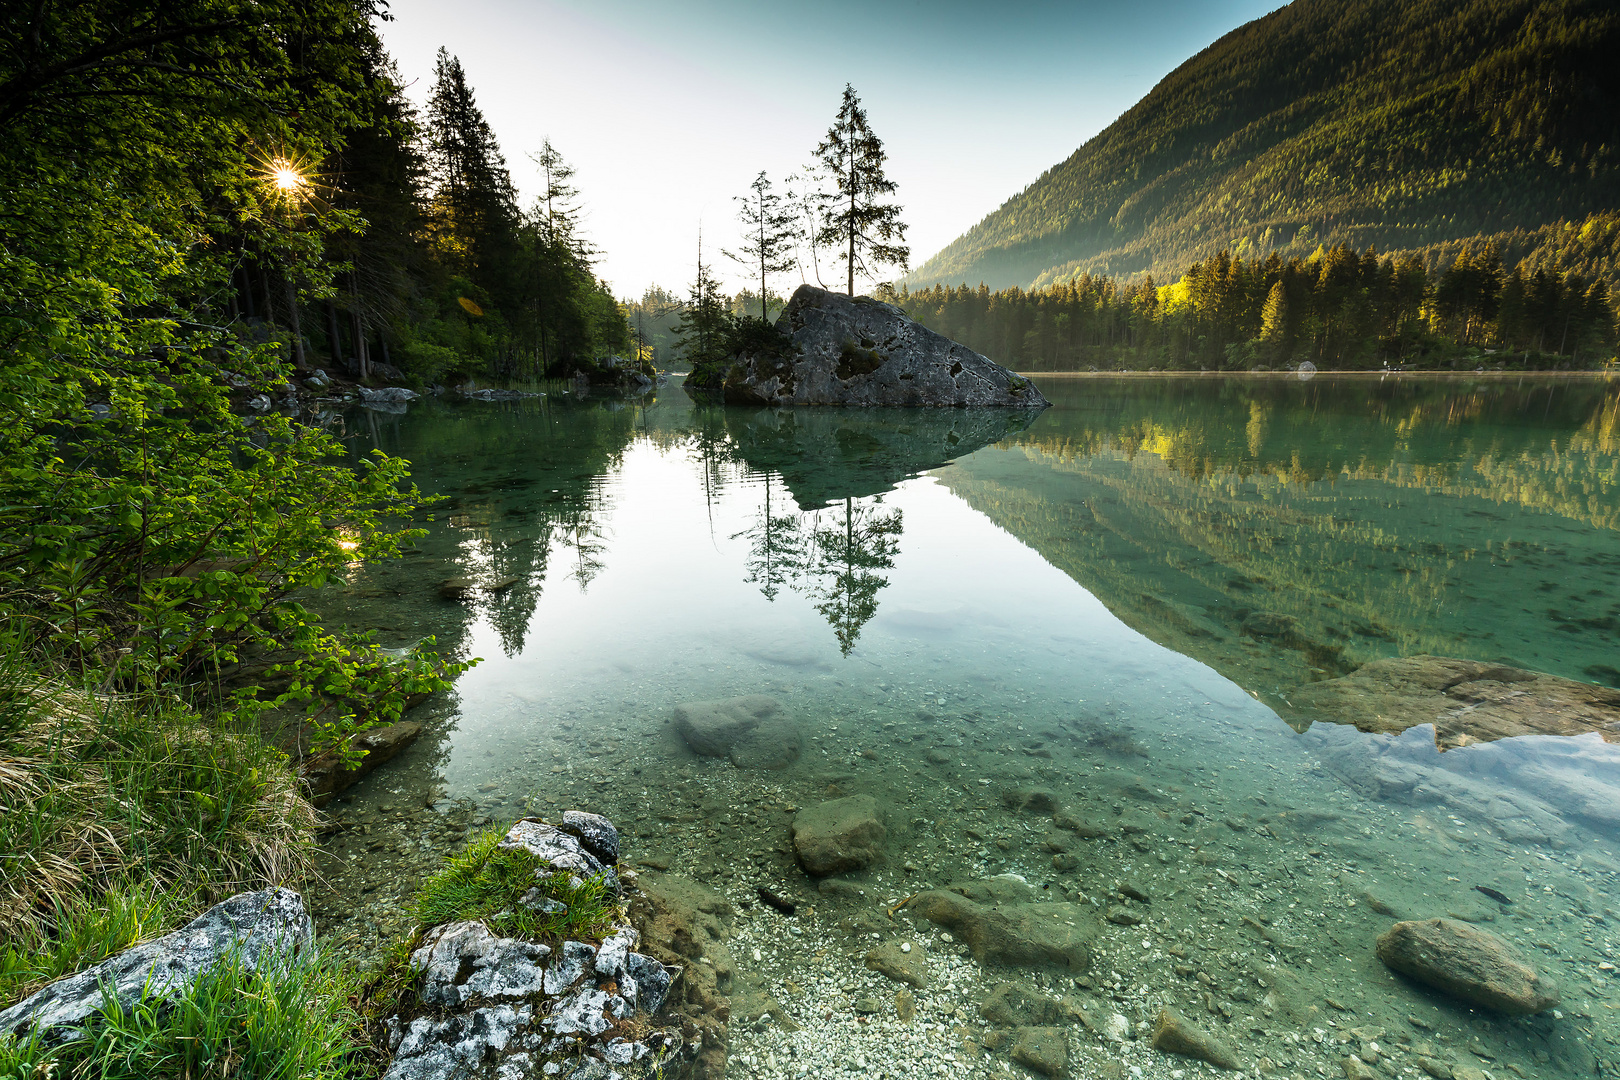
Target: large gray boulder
[
  {"x": 259, "y": 928},
  {"x": 847, "y": 350}
]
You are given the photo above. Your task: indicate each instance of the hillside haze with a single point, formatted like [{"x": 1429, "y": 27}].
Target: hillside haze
[{"x": 1406, "y": 124}]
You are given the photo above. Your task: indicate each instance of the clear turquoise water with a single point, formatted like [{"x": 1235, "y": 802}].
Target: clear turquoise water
[{"x": 951, "y": 606}]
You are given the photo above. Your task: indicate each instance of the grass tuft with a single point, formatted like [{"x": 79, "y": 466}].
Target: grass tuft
[
  {"x": 485, "y": 882},
  {"x": 95, "y": 791},
  {"x": 287, "y": 1021},
  {"x": 83, "y": 932}
]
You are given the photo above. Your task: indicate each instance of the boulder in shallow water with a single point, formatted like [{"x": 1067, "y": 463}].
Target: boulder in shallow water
[
  {"x": 843, "y": 350},
  {"x": 838, "y": 836},
  {"x": 1041, "y": 1049},
  {"x": 1175, "y": 1034},
  {"x": 711, "y": 728},
  {"x": 999, "y": 929},
  {"x": 260, "y": 928},
  {"x": 1468, "y": 963},
  {"x": 774, "y": 744}
]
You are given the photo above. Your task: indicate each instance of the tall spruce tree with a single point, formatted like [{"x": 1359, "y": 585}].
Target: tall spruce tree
[
  {"x": 473, "y": 215},
  {"x": 857, "y": 223},
  {"x": 701, "y": 333},
  {"x": 770, "y": 229}
]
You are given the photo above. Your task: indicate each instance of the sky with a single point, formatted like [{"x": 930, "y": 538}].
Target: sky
[{"x": 668, "y": 110}]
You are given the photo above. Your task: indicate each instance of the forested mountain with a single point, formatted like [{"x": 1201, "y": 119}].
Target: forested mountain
[{"x": 1408, "y": 125}]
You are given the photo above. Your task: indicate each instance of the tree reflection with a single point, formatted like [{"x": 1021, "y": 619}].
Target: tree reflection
[
  {"x": 847, "y": 558},
  {"x": 777, "y": 543}
]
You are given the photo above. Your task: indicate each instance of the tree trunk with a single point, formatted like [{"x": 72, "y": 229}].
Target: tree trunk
[
  {"x": 269, "y": 304},
  {"x": 852, "y": 223},
  {"x": 299, "y": 363},
  {"x": 334, "y": 343},
  {"x": 245, "y": 291}
]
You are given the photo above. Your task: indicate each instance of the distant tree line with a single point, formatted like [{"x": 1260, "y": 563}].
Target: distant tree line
[{"x": 1339, "y": 309}]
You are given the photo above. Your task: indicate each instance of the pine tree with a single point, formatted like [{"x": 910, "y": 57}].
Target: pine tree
[
  {"x": 1274, "y": 327},
  {"x": 555, "y": 207},
  {"x": 474, "y": 207},
  {"x": 770, "y": 229},
  {"x": 700, "y": 335},
  {"x": 856, "y": 223}
]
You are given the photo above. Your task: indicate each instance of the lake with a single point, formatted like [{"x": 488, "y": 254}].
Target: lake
[{"x": 1120, "y": 613}]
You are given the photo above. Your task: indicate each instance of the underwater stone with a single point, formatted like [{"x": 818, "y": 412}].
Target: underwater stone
[
  {"x": 1056, "y": 935},
  {"x": 1175, "y": 1034},
  {"x": 774, "y": 744},
  {"x": 1008, "y": 1005},
  {"x": 900, "y": 964},
  {"x": 1042, "y": 1049},
  {"x": 1031, "y": 800},
  {"x": 711, "y": 728},
  {"x": 839, "y": 835},
  {"x": 1468, "y": 962}
]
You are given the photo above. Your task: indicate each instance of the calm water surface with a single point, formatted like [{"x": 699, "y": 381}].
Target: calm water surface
[{"x": 952, "y": 607}]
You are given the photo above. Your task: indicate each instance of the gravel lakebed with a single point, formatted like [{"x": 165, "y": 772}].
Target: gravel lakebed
[{"x": 1237, "y": 871}]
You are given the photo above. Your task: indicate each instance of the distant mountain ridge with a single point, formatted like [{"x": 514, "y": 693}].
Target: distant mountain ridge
[{"x": 1409, "y": 124}]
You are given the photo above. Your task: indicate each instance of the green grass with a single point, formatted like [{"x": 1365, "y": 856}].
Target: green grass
[
  {"x": 484, "y": 882},
  {"x": 83, "y": 932},
  {"x": 289, "y": 1021},
  {"x": 96, "y": 791}
]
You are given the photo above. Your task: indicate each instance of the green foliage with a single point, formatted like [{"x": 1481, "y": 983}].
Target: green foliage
[
  {"x": 1405, "y": 125},
  {"x": 770, "y": 230},
  {"x": 288, "y": 1020},
  {"x": 485, "y": 881},
  {"x": 150, "y": 534},
  {"x": 1338, "y": 309}
]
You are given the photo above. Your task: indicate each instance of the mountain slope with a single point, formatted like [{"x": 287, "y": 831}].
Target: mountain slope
[{"x": 1400, "y": 123}]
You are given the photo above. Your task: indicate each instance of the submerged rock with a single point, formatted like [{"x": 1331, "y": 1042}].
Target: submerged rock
[
  {"x": 774, "y": 744},
  {"x": 1009, "y": 1005},
  {"x": 327, "y": 774},
  {"x": 259, "y": 928},
  {"x": 1000, "y": 924},
  {"x": 902, "y": 961},
  {"x": 1466, "y": 701},
  {"x": 712, "y": 728},
  {"x": 684, "y": 925},
  {"x": 1175, "y": 1034},
  {"x": 838, "y": 836},
  {"x": 1042, "y": 1049},
  {"x": 843, "y": 350},
  {"x": 1468, "y": 962}
]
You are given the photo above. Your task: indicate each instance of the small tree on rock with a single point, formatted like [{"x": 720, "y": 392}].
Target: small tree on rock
[
  {"x": 863, "y": 229},
  {"x": 769, "y": 229}
]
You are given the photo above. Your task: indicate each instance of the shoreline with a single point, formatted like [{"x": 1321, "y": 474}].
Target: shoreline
[{"x": 1424, "y": 373}]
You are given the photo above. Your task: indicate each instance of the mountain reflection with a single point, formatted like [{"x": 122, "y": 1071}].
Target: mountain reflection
[{"x": 1286, "y": 532}]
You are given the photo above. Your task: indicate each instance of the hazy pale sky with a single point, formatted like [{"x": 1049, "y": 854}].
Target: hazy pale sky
[{"x": 669, "y": 109}]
